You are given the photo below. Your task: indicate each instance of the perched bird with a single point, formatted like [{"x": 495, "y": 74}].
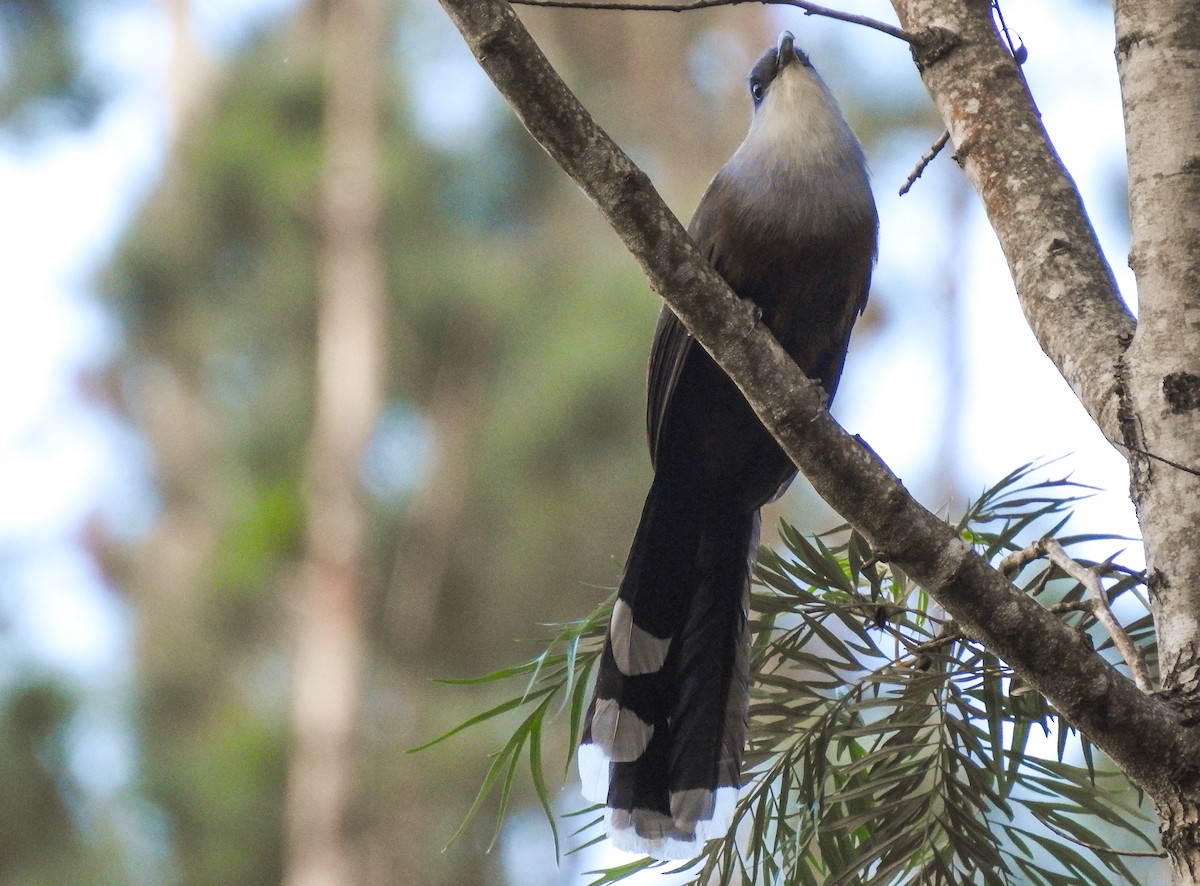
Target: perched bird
[{"x": 791, "y": 225}]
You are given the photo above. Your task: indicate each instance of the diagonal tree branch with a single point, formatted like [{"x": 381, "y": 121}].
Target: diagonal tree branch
[
  {"x": 1142, "y": 734},
  {"x": 1064, "y": 283}
]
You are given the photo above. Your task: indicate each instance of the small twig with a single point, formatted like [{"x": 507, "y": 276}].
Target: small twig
[
  {"x": 1097, "y": 604},
  {"x": 1096, "y": 847},
  {"x": 1020, "y": 53},
  {"x": 1017, "y": 560},
  {"x": 809, "y": 9},
  {"x": 947, "y": 634},
  {"x": 1166, "y": 461},
  {"x": 1040, "y": 584},
  {"x": 917, "y": 654},
  {"x": 891, "y": 609},
  {"x": 1135, "y": 573},
  {"x": 1074, "y": 606},
  {"x": 925, "y": 160},
  {"x": 874, "y": 560},
  {"x": 1090, "y": 579}
]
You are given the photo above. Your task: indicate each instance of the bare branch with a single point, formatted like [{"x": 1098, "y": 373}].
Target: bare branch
[
  {"x": 925, "y": 160},
  {"x": 1097, "y": 847},
  {"x": 1073, "y": 606},
  {"x": 1018, "y": 560},
  {"x": 809, "y": 9},
  {"x": 1090, "y": 579},
  {"x": 949, "y": 633},
  {"x": 1097, "y": 604}
]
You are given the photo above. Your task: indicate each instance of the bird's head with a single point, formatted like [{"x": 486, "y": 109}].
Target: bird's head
[
  {"x": 789, "y": 97},
  {"x": 797, "y": 128},
  {"x": 774, "y": 67}
]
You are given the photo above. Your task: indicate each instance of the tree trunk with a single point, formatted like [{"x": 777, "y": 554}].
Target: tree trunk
[
  {"x": 1158, "y": 55},
  {"x": 191, "y": 72},
  {"x": 329, "y": 653}
]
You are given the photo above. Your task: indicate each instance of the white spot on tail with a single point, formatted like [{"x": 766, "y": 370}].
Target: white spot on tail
[
  {"x": 700, "y": 815},
  {"x": 635, "y": 650},
  {"x": 619, "y": 732},
  {"x": 719, "y": 806},
  {"x": 595, "y": 772}
]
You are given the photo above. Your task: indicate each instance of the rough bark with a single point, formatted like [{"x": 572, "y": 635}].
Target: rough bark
[
  {"x": 1158, "y": 56},
  {"x": 1064, "y": 284},
  {"x": 1158, "y": 52},
  {"x": 1142, "y": 734},
  {"x": 327, "y": 665}
]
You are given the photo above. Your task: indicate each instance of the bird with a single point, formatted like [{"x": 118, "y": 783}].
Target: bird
[{"x": 790, "y": 223}]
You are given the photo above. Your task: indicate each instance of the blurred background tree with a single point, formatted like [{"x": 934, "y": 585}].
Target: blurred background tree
[
  {"x": 49, "y": 832},
  {"x": 506, "y": 466},
  {"x": 46, "y": 83},
  {"x": 501, "y": 479}
]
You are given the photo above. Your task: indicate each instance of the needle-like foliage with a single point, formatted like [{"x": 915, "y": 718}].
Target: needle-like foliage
[{"x": 884, "y": 748}]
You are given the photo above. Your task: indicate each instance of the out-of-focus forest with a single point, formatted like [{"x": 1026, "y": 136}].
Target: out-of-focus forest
[{"x": 388, "y": 368}]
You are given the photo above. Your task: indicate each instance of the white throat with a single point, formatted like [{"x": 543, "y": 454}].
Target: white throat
[{"x": 800, "y": 146}]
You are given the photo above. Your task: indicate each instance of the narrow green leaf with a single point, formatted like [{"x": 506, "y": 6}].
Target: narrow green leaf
[
  {"x": 493, "y": 677},
  {"x": 501, "y": 708},
  {"x": 493, "y": 773},
  {"x": 538, "y": 776},
  {"x": 505, "y": 791},
  {"x": 578, "y": 700}
]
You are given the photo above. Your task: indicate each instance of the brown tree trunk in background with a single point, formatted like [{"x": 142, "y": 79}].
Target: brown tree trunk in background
[
  {"x": 330, "y": 648},
  {"x": 455, "y": 411},
  {"x": 191, "y": 71},
  {"x": 946, "y": 484},
  {"x": 164, "y": 571}
]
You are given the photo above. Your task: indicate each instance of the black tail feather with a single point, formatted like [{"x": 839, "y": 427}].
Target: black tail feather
[
  {"x": 713, "y": 669},
  {"x": 662, "y": 741}
]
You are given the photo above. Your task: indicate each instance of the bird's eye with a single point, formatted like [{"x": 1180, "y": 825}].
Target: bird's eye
[{"x": 756, "y": 91}]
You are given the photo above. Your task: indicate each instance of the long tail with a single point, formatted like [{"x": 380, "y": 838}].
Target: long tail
[{"x": 663, "y": 737}]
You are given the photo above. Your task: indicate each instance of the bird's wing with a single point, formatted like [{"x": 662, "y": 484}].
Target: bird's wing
[
  {"x": 672, "y": 342},
  {"x": 809, "y": 293}
]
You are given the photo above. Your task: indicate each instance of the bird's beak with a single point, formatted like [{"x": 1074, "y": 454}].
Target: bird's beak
[{"x": 786, "y": 50}]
